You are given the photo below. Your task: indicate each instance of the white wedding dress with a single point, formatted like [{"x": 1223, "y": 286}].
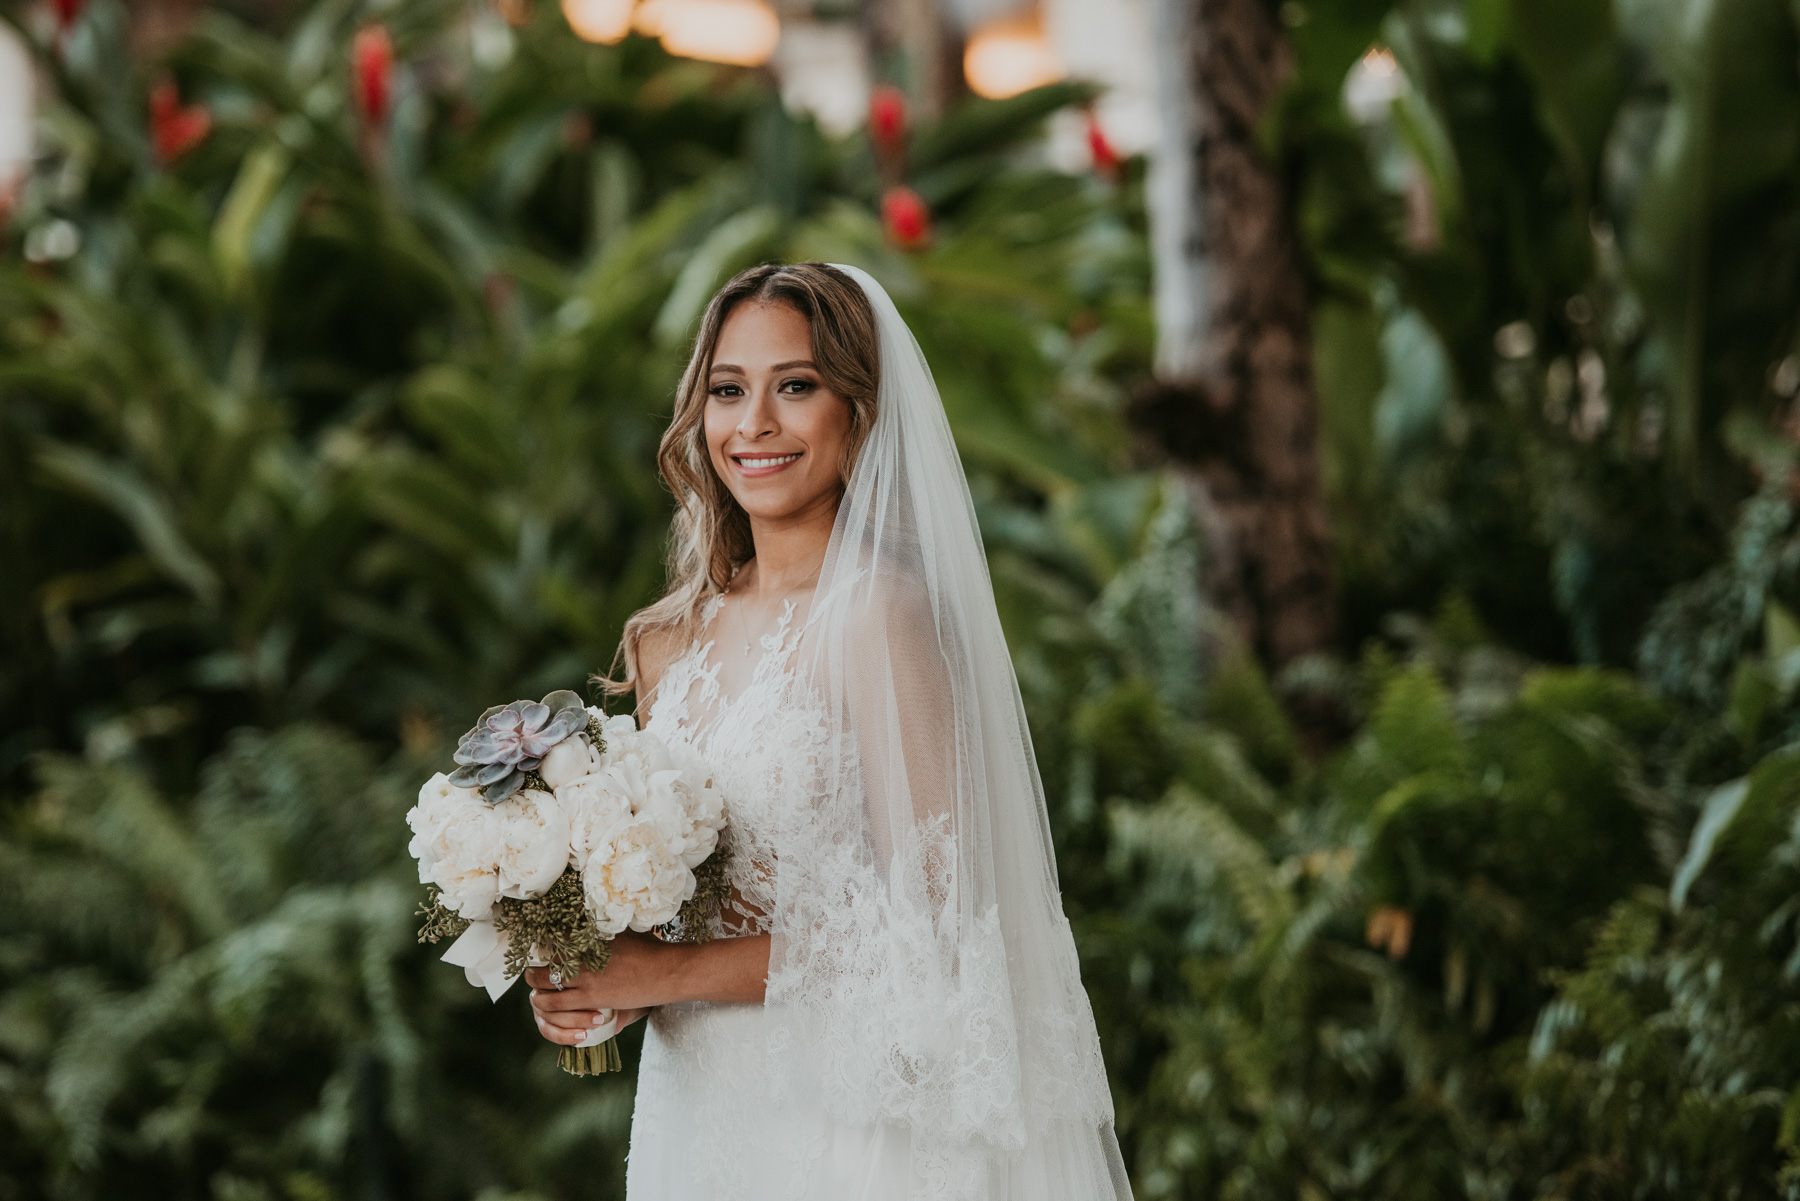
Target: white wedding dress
[
  {"x": 708, "y": 1123},
  {"x": 925, "y": 1035}
]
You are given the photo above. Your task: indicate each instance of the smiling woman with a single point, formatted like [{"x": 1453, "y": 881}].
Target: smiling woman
[
  {"x": 786, "y": 363},
  {"x": 893, "y": 1007}
]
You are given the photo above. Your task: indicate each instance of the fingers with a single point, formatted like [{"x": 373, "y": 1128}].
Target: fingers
[
  {"x": 561, "y": 1035},
  {"x": 539, "y": 978},
  {"x": 554, "y": 1001},
  {"x": 570, "y": 1027},
  {"x": 566, "y": 1009},
  {"x": 571, "y": 1019}
]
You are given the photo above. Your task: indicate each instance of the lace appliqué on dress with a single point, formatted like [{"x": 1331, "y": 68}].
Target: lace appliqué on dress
[
  {"x": 887, "y": 1007},
  {"x": 763, "y": 748}
]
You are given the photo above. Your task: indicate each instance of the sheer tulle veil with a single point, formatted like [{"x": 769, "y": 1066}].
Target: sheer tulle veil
[{"x": 922, "y": 970}]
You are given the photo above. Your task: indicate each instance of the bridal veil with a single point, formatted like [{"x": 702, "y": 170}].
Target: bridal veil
[{"x": 922, "y": 972}]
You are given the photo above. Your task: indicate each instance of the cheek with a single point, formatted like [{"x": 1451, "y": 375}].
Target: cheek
[
  {"x": 830, "y": 431},
  {"x": 714, "y": 429}
]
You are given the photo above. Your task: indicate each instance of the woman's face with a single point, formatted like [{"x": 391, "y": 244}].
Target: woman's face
[{"x": 775, "y": 433}]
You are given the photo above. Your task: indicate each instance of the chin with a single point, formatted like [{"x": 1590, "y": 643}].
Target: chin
[
  {"x": 773, "y": 508},
  {"x": 777, "y": 504}
]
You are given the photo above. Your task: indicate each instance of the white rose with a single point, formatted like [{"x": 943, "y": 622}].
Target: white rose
[
  {"x": 568, "y": 760},
  {"x": 456, "y": 840},
  {"x": 633, "y": 879},
  {"x": 533, "y": 842}
]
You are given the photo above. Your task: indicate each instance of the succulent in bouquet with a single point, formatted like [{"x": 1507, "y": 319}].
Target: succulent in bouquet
[{"x": 560, "y": 829}]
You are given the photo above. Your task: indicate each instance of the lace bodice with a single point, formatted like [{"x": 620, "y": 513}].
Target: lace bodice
[{"x": 762, "y": 744}]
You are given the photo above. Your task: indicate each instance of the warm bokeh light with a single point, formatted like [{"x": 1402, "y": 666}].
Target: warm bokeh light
[
  {"x": 647, "y": 20},
  {"x": 740, "y": 32},
  {"x": 1010, "y": 57},
  {"x": 603, "y": 21}
]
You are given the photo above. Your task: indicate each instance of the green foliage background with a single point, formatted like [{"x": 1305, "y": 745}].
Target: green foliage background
[{"x": 322, "y": 440}]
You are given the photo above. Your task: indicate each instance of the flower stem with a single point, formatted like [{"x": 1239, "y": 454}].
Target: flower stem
[{"x": 591, "y": 1061}]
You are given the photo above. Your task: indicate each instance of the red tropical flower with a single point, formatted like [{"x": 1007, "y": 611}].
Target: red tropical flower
[
  {"x": 67, "y": 12},
  {"x": 372, "y": 63},
  {"x": 906, "y": 218},
  {"x": 1106, "y": 159},
  {"x": 175, "y": 130},
  {"x": 887, "y": 116}
]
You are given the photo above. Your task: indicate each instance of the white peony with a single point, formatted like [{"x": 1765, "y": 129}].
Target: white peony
[
  {"x": 568, "y": 760},
  {"x": 595, "y": 807},
  {"x": 634, "y": 879},
  {"x": 703, "y": 807},
  {"x": 668, "y": 783},
  {"x": 533, "y": 844},
  {"x": 639, "y": 823},
  {"x": 456, "y": 838}
]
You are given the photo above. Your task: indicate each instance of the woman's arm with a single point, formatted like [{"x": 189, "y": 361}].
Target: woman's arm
[
  {"x": 643, "y": 973},
  {"x": 646, "y": 972}
]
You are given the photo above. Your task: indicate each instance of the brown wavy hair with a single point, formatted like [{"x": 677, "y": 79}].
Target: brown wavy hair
[{"x": 710, "y": 536}]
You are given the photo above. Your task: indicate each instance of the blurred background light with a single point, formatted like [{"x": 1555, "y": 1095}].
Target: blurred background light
[
  {"x": 743, "y": 33},
  {"x": 647, "y": 18},
  {"x": 1008, "y": 57},
  {"x": 602, "y": 21},
  {"x": 822, "y": 68}
]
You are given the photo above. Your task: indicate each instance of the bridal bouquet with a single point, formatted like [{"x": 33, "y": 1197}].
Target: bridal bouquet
[{"x": 560, "y": 828}]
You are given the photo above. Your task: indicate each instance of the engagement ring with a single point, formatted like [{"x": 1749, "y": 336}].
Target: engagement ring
[{"x": 556, "y": 981}]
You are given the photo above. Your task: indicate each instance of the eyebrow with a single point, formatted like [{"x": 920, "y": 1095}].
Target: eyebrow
[{"x": 787, "y": 366}]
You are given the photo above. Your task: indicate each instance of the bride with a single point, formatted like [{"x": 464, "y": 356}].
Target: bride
[{"x": 893, "y": 1009}]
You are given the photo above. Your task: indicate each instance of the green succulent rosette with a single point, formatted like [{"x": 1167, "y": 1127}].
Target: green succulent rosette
[{"x": 510, "y": 741}]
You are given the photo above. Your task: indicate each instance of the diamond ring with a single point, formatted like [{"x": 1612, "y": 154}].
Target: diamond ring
[{"x": 556, "y": 981}]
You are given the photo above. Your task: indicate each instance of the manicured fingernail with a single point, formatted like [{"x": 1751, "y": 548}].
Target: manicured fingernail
[{"x": 600, "y": 1019}]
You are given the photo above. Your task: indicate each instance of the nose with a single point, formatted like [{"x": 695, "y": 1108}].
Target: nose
[{"x": 757, "y": 418}]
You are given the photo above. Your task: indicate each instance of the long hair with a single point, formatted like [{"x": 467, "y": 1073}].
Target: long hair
[{"x": 709, "y": 538}]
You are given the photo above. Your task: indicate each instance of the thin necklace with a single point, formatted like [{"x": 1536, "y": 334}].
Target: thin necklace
[{"x": 743, "y": 622}]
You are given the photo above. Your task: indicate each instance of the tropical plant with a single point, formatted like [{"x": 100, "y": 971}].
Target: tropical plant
[
  {"x": 1555, "y": 297},
  {"x": 329, "y": 436},
  {"x": 331, "y": 364},
  {"x": 1529, "y": 934},
  {"x": 329, "y": 421}
]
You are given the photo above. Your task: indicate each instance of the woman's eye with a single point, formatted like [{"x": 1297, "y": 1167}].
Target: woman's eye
[
  {"x": 796, "y": 387},
  {"x": 726, "y": 391}
]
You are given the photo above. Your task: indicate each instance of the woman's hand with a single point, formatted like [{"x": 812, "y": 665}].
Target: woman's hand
[
  {"x": 634, "y": 981},
  {"x": 643, "y": 973},
  {"x": 567, "y": 1027}
]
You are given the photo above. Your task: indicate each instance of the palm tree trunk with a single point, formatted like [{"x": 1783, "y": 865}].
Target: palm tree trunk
[{"x": 1233, "y": 404}]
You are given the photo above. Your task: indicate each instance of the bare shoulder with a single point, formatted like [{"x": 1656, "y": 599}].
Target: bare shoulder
[
  {"x": 658, "y": 649},
  {"x": 892, "y": 620},
  {"x": 899, "y": 606}
]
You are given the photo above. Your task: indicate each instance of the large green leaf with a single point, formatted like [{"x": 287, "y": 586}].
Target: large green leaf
[{"x": 1729, "y": 142}]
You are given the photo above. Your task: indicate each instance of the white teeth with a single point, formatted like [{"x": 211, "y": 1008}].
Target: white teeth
[{"x": 756, "y": 464}]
